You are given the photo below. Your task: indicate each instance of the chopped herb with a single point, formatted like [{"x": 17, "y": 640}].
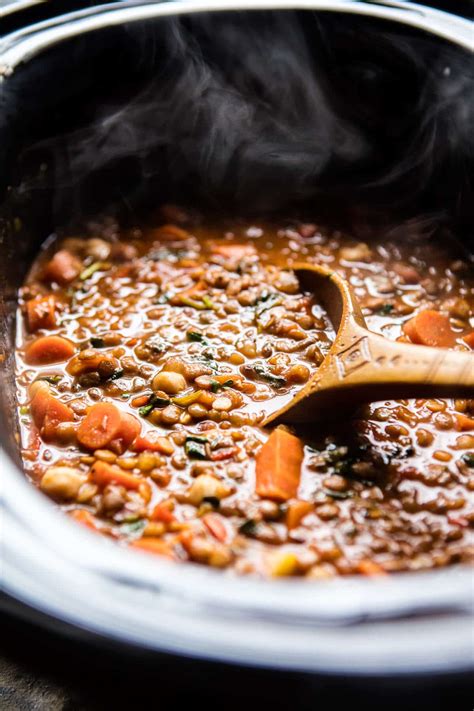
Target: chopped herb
[
  {"x": 52, "y": 379},
  {"x": 195, "y": 450},
  {"x": 91, "y": 269},
  {"x": 468, "y": 459},
  {"x": 337, "y": 494},
  {"x": 385, "y": 309},
  {"x": 24, "y": 410},
  {"x": 268, "y": 303},
  {"x": 153, "y": 401},
  {"x": 197, "y": 438},
  {"x": 124, "y": 396},
  {"x": 249, "y": 528},
  {"x": 215, "y": 386},
  {"x": 118, "y": 372},
  {"x": 195, "y": 336},
  {"x": 97, "y": 342},
  {"x": 212, "y": 500},
  {"x": 263, "y": 372}
]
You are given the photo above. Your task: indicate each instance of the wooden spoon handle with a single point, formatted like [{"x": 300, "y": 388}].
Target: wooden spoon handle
[
  {"x": 402, "y": 370},
  {"x": 368, "y": 367}
]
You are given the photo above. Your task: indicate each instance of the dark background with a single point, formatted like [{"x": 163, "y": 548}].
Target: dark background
[{"x": 41, "y": 671}]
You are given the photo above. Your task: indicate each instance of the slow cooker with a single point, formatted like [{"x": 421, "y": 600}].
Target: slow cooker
[{"x": 391, "y": 68}]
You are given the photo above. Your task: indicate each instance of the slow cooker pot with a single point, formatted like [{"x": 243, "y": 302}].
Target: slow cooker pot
[{"x": 76, "y": 141}]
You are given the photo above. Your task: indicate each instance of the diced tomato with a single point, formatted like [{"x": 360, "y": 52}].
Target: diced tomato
[
  {"x": 162, "y": 513},
  {"x": 219, "y": 455},
  {"x": 217, "y": 526}
]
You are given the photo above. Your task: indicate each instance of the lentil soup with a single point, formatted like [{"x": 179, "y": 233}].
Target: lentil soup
[{"x": 147, "y": 359}]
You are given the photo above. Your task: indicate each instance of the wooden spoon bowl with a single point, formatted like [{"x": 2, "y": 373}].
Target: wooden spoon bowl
[{"x": 362, "y": 366}]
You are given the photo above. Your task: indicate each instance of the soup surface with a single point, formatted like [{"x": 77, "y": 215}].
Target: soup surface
[{"x": 147, "y": 360}]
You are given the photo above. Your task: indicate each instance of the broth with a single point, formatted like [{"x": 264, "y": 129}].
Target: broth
[{"x": 148, "y": 358}]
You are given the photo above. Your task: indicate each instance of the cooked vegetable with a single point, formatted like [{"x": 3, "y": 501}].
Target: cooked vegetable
[
  {"x": 296, "y": 512},
  {"x": 278, "y": 466},
  {"x": 104, "y": 474},
  {"x": 153, "y": 442},
  {"x": 147, "y": 427},
  {"x": 49, "y": 349},
  {"x": 430, "y": 328},
  {"x": 100, "y": 426},
  {"x": 47, "y": 411},
  {"x": 63, "y": 268},
  {"x": 62, "y": 482},
  {"x": 41, "y": 313}
]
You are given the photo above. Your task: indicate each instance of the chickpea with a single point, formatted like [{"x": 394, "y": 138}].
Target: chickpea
[
  {"x": 62, "y": 482},
  {"x": 222, "y": 403},
  {"x": 197, "y": 411},
  {"x": 357, "y": 253},
  {"x": 169, "y": 381},
  {"x": 205, "y": 486}
]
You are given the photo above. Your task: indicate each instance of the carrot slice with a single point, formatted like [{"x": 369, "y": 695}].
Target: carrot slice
[
  {"x": 100, "y": 426},
  {"x": 48, "y": 349},
  {"x": 41, "y": 313},
  {"x": 464, "y": 423},
  {"x": 296, "y": 512},
  {"x": 47, "y": 411},
  {"x": 278, "y": 466},
  {"x": 216, "y": 525},
  {"x": 104, "y": 474},
  {"x": 63, "y": 268},
  {"x": 469, "y": 339},
  {"x": 430, "y": 328}
]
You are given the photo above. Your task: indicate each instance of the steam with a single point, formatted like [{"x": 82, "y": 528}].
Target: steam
[{"x": 262, "y": 110}]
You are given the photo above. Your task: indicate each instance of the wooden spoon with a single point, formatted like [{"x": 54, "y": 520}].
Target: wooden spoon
[{"x": 362, "y": 366}]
